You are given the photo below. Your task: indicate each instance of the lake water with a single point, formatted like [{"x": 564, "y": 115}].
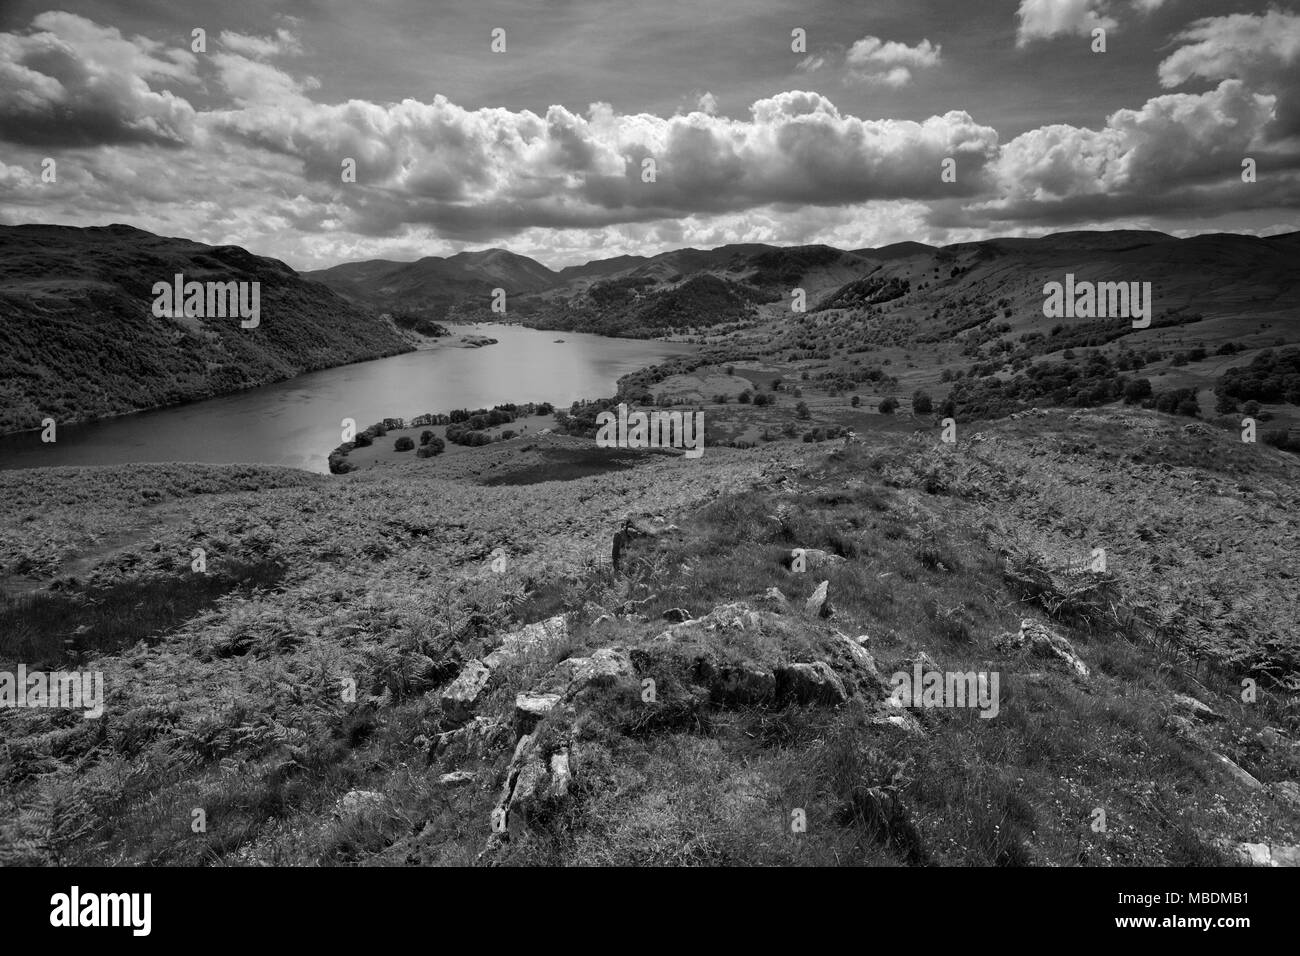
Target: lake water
[{"x": 296, "y": 422}]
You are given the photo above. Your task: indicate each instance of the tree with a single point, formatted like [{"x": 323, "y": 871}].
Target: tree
[
  {"x": 922, "y": 404},
  {"x": 403, "y": 444},
  {"x": 888, "y": 406},
  {"x": 1138, "y": 390},
  {"x": 425, "y": 437}
]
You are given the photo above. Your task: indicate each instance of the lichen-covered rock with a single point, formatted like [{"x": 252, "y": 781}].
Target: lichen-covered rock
[
  {"x": 819, "y": 605},
  {"x": 1195, "y": 708},
  {"x": 530, "y": 708},
  {"x": 462, "y": 695},
  {"x": 814, "y": 683},
  {"x": 539, "y": 637},
  {"x": 1043, "y": 642},
  {"x": 356, "y": 805}
]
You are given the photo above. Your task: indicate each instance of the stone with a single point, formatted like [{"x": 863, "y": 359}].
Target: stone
[
  {"x": 1287, "y": 791},
  {"x": 1043, "y": 642},
  {"x": 462, "y": 695},
  {"x": 604, "y": 668},
  {"x": 1264, "y": 854},
  {"x": 356, "y": 805},
  {"x": 814, "y": 683},
  {"x": 677, "y": 615},
  {"x": 457, "y": 778},
  {"x": 1190, "y": 705},
  {"x": 538, "y": 637},
  {"x": 814, "y": 559},
  {"x": 819, "y": 605},
  {"x": 746, "y": 683},
  {"x": 1240, "y": 775},
  {"x": 530, "y": 708}
]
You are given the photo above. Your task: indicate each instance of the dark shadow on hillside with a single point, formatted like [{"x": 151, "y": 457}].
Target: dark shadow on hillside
[
  {"x": 568, "y": 464},
  {"x": 50, "y": 629}
]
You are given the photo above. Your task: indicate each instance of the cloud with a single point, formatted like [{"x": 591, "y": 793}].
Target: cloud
[
  {"x": 495, "y": 171},
  {"x": 1262, "y": 50},
  {"x": 70, "y": 82},
  {"x": 261, "y": 48},
  {"x": 890, "y": 63},
  {"x": 1173, "y": 144},
  {"x": 1042, "y": 19}
]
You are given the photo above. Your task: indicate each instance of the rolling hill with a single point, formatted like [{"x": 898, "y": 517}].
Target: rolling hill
[{"x": 82, "y": 342}]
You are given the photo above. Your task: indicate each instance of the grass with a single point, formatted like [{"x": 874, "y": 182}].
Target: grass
[
  {"x": 230, "y": 702},
  {"x": 57, "y": 628}
]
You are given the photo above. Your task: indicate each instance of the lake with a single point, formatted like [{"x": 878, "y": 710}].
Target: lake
[{"x": 297, "y": 422}]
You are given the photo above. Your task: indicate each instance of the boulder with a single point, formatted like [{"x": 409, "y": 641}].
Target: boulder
[
  {"x": 539, "y": 637},
  {"x": 814, "y": 559},
  {"x": 1193, "y": 707},
  {"x": 677, "y": 615},
  {"x": 604, "y": 668},
  {"x": 535, "y": 781},
  {"x": 1238, "y": 774},
  {"x": 819, "y": 605},
  {"x": 814, "y": 683},
  {"x": 746, "y": 683},
  {"x": 530, "y": 708},
  {"x": 462, "y": 695},
  {"x": 1265, "y": 854},
  {"x": 457, "y": 778},
  {"x": 1043, "y": 642},
  {"x": 1288, "y": 791},
  {"x": 356, "y": 805}
]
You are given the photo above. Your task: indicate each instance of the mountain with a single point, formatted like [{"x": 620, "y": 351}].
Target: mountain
[
  {"x": 433, "y": 285},
  {"x": 82, "y": 341}
]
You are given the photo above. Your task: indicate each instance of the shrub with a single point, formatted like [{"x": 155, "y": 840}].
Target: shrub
[
  {"x": 888, "y": 406},
  {"x": 801, "y": 412},
  {"x": 1137, "y": 390},
  {"x": 922, "y": 404},
  {"x": 405, "y": 443},
  {"x": 425, "y": 436}
]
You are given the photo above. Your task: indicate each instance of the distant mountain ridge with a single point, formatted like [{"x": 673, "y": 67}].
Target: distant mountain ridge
[
  {"x": 81, "y": 341},
  {"x": 608, "y": 295}
]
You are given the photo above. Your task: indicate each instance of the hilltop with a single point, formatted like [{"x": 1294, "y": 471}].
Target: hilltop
[
  {"x": 82, "y": 342},
  {"x": 355, "y": 679}
]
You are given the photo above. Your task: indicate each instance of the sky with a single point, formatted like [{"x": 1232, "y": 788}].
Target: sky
[{"x": 611, "y": 127}]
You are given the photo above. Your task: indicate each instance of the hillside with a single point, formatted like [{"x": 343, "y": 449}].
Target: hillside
[
  {"x": 434, "y": 285},
  {"x": 688, "y": 705},
  {"x": 82, "y": 342}
]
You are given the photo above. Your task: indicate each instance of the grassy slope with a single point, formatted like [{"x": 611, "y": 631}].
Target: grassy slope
[
  {"x": 385, "y": 581},
  {"x": 74, "y": 302}
]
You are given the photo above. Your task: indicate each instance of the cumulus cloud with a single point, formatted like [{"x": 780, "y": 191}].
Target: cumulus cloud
[
  {"x": 873, "y": 60},
  {"x": 1174, "y": 142},
  {"x": 70, "y": 82},
  {"x": 1262, "y": 50},
  {"x": 474, "y": 171},
  {"x": 1041, "y": 19},
  {"x": 437, "y": 175}
]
